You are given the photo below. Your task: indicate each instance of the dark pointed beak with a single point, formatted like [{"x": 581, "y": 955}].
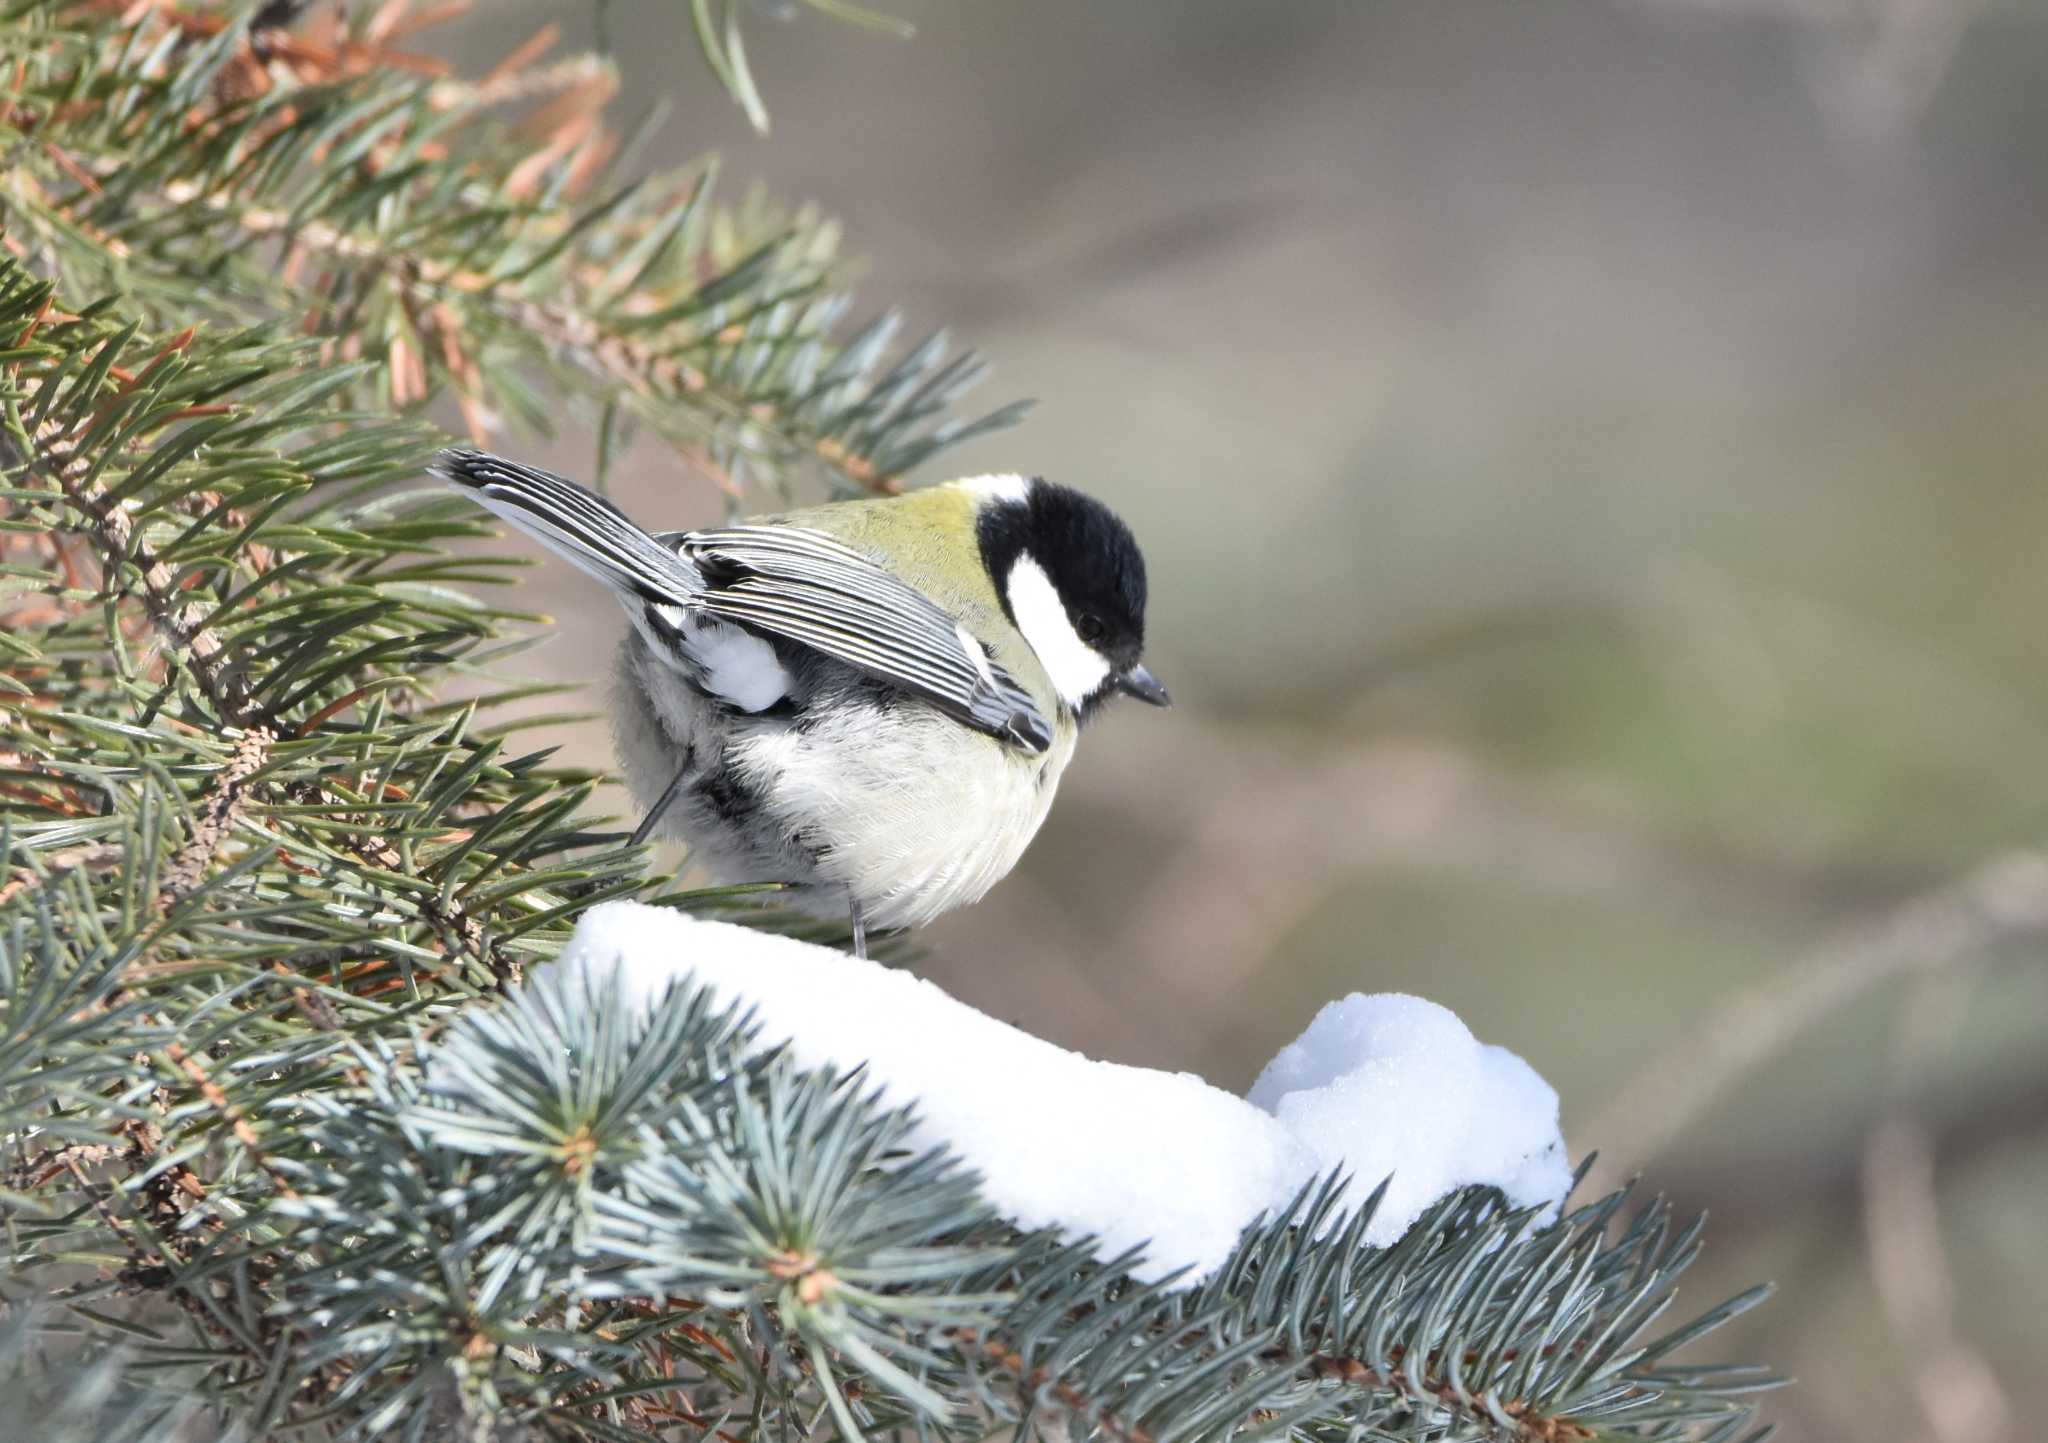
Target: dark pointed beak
[{"x": 1141, "y": 684}]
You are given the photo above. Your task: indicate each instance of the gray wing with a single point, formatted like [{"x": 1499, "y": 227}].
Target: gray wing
[{"x": 813, "y": 589}]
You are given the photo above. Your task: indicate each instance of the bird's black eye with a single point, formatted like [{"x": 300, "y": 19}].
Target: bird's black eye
[{"x": 1089, "y": 628}]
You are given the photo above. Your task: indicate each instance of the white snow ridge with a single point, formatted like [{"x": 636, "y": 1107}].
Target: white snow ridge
[{"x": 1379, "y": 1085}]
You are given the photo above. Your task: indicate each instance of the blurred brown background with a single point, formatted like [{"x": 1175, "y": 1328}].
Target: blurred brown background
[{"x": 1592, "y": 460}]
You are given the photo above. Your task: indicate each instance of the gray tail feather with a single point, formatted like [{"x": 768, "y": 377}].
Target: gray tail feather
[{"x": 573, "y": 520}]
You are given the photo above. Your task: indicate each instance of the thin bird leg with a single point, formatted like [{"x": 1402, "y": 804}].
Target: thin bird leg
[
  {"x": 662, "y": 803},
  {"x": 860, "y": 928}
]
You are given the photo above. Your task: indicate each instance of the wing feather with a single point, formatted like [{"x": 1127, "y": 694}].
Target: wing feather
[
  {"x": 771, "y": 582},
  {"x": 817, "y": 591}
]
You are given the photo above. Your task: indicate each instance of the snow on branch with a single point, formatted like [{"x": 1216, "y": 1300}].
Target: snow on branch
[{"x": 1385, "y": 1087}]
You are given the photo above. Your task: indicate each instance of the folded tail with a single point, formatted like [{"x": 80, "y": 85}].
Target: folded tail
[{"x": 575, "y": 521}]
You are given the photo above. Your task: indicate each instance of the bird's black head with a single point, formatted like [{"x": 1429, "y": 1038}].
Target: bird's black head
[{"x": 1072, "y": 580}]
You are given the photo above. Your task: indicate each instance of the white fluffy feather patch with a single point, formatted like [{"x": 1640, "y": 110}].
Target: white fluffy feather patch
[
  {"x": 1076, "y": 668},
  {"x": 737, "y": 666},
  {"x": 1007, "y": 486}
]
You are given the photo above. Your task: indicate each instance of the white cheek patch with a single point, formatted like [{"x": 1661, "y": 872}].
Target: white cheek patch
[
  {"x": 1008, "y": 487},
  {"x": 1077, "y": 669}
]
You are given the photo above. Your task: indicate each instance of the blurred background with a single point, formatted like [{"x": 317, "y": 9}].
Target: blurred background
[{"x": 1591, "y": 458}]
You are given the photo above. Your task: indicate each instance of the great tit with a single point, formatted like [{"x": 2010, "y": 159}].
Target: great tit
[{"x": 870, "y": 701}]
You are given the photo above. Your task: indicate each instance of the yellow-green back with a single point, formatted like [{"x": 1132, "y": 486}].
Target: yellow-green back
[{"x": 928, "y": 539}]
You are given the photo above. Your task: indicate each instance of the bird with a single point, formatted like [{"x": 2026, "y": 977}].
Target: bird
[{"x": 870, "y": 702}]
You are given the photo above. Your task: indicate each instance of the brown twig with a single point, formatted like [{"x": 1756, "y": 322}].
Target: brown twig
[
  {"x": 1527, "y": 1427},
  {"x": 92, "y": 1194},
  {"x": 1437, "y": 1390},
  {"x": 1040, "y": 1383},
  {"x": 215, "y": 816},
  {"x": 2004, "y": 900},
  {"x": 1959, "y": 1394},
  {"x": 181, "y": 623},
  {"x": 237, "y": 1120},
  {"x": 98, "y": 857}
]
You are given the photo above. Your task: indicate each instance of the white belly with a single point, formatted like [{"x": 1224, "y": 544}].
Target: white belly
[
  {"x": 912, "y": 813},
  {"x": 900, "y": 807}
]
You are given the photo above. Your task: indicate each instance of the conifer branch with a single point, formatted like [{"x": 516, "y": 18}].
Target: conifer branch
[
  {"x": 219, "y": 805},
  {"x": 714, "y": 330},
  {"x": 260, "y": 875}
]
